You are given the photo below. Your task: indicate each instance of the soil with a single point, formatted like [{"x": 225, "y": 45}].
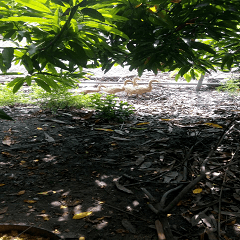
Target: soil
[{"x": 57, "y": 165}]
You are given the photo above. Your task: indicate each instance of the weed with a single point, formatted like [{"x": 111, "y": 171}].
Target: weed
[
  {"x": 231, "y": 86},
  {"x": 107, "y": 107}
]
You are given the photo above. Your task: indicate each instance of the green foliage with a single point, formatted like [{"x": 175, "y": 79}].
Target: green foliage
[
  {"x": 111, "y": 109},
  {"x": 192, "y": 36},
  {"x": 232, "y": 86},
  {"x": 56, "y": 39}
]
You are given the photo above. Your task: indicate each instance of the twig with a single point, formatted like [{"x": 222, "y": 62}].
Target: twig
[
  {"x": 202, "y": 175},
  {"x": 220, "y": 196}
]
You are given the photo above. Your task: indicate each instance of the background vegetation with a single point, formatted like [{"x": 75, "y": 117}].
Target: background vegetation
[{"x": 56, "y": 39}]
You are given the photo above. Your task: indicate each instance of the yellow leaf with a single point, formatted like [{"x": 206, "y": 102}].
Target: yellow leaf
[
  {"x": 144, "y": 123},
  {"x": 21, "y": 192},
  {"x": 165, "y": 119},
  {"x": 153, "y": 9},
  {"x": 82, "y": 238},
  {"x": 213, "y": 125},
  {"x": 2, "y": 184},
  {"x": 43, "y": 193},
  {"x": 138, "y": 5},
  {"x": 63, "y": 207},
  {"x": 38, "y": 128},
  {"x": 81, "y": 215},
  {"x": 45, "y": 218},
  {"x": 30, "y": 201},
  {"x": 104, "y": 129},
  {"x": 197, "y": 190}
]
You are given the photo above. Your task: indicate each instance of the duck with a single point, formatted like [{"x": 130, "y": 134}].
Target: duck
[
  {"x": 142, "y": 90},
  {"x": 91, "y": 90},
  {"x": 130, "y": 90},
  {"x": 113, "y": 90}
]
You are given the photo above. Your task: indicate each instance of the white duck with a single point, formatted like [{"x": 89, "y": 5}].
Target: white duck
[
  {"x": 113, "y": 90},
  {"x": 142, "y": 90},
  {"x": 130, "y": 90},
  {"x": 91, "y": 90}
]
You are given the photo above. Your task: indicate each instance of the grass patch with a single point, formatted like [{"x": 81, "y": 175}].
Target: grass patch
[{"x": 107, "y": 106}]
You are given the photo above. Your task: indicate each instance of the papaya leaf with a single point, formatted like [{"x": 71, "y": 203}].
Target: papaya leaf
[
  {"x": 93, "y": 13},
  {"x": 8, "y": 56},
  {"x": 225, "y": 59},
  {"x": 43, "y": 84},
  {"x": 27, "y": 62},
  {"x": 202, "y": 46},
  {"x": 3, "y": 115},
  {"x": 18, "y": 85},
  {"x": 36, "y": 5}
]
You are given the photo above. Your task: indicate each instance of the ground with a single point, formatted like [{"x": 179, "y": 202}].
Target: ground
[{"x": 55, "y": 166}]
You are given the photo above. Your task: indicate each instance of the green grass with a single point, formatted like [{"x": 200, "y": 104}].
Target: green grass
[{"x": 107, "y": 106}]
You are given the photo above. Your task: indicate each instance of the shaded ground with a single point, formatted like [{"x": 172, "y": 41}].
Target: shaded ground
[{"x": 54, "y": 166}]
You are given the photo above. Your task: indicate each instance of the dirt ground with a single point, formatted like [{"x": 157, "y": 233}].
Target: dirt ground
[{"x": 55, "y": 167}]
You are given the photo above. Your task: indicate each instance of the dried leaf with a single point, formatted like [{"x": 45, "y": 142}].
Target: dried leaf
[
  {"x": 144, "y": 123},
  {"x": 170, "y": 176},
  {"x": 122, "y": 188},
  {"x": 146, "y": 165},
  {"x": 7, "y": 141},
  {"x": 81, "y": 215},
  {"x": 140, "y": 159},
  {"x": 2, "y": 184},
  {"x": 160, "y": 232},
  {"x": 21, "y": 192},
  {"x": 38, "y": 128},
  {"x": 104, "y": 129},
  {"x": 3, "y": 210},
  {"x": 29, "y": 201},
  {"x": 48, "y": 138},
  {"x": 213, "y": 125},
  {"x": 121, "y": 139},
  {"x": 197, "y": 190},
  {"x": 128, "y": 226},
  {"x": 236, "y": 196}
]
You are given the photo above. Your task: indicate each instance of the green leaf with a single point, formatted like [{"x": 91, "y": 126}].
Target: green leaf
[
  {"x": 18, "y": 85},
  {"x": 3, "y": 115},
  {"x": 93, "y": 13},
  {"x": 36, "y": 5},
  {"x": 106, "y": 28},
  {"x": 43, "y": 85},
  {"x": 27, "y": 62},
  {"x": 8, "y": 56},
  {"x": 202, "y": 46},
  {"x": 27, "y": 19},
  {"x": 225, "y": 59}
]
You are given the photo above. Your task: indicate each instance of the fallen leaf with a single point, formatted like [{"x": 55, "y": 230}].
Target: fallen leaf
[
  {"x": 2, "y": 184},
  {"x": 213, "y": 125},
  {"x": 122, "y": 188},
  {"x": 3, "y": 210},
  {"x": 48, "y": 138},
  {"x": 121, "y": 139},
  {"x": 38, "y": 128},
  {"x": 21, "y": 192},
  {"x": 30, "y": 201},
  {"x": 7, "y": 141},
  {"x": 144, "y": 123},
  {"x": 197, "y": 190},
  {"x": 128, "y": 226},
  {"x": 81, "y": 215},
  {"x": 104, "y": 129}
]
